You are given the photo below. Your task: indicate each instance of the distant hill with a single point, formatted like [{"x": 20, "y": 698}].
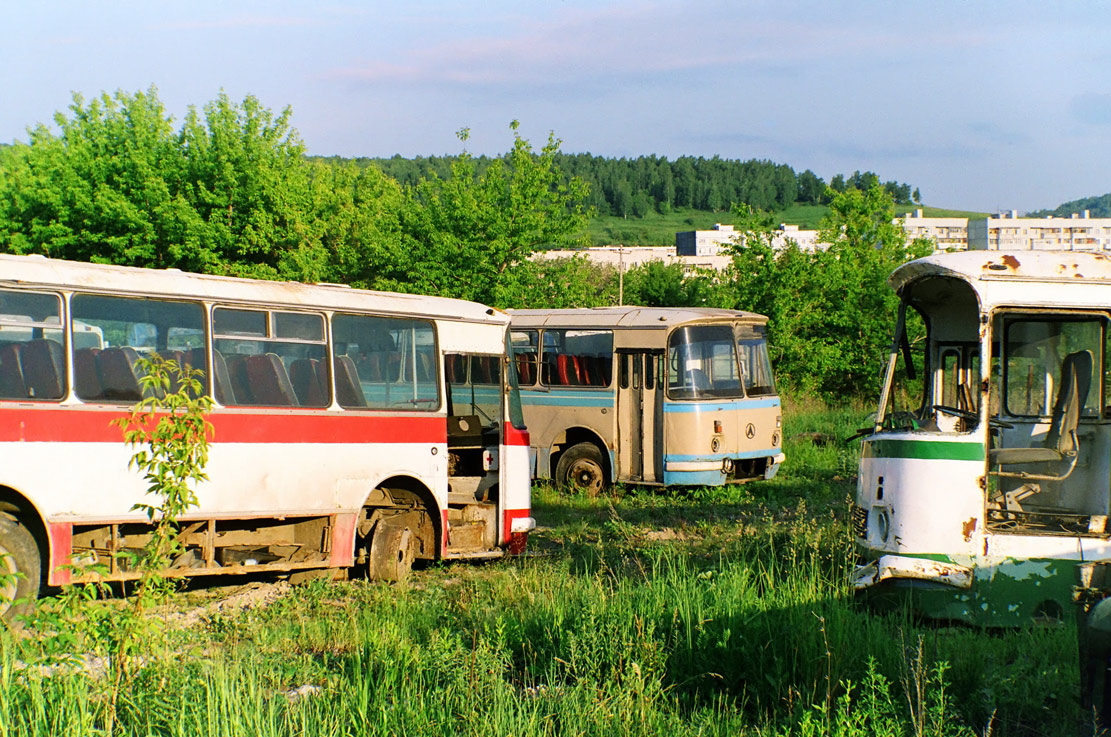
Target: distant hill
[{"x": 1097, "y": 207}]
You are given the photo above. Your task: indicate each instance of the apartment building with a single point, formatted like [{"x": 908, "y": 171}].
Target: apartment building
[
  {"x": 948, "y": 234},
  {"x": 1009, "y": 232}
]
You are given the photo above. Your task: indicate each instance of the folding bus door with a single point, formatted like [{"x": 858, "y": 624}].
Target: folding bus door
[{"x": 640, "y": 416}]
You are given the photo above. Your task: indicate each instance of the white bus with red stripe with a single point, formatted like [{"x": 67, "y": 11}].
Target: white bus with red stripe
[{"x": 346, "y": 435}]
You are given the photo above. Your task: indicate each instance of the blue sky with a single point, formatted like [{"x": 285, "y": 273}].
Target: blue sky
[{"x": 982, "y": 105}]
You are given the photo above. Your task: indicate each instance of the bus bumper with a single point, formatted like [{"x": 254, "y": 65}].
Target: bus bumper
[
  {"x": 773, "y": 465},
  {"x": 921, "y": 569}
]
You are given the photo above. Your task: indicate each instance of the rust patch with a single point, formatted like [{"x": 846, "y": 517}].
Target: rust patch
[
  {"x": 968, "y": 528},
  {"x": 1010, "y": 261}
]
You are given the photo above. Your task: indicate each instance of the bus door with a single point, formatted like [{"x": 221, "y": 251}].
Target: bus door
[{"x": 640, "y": 416}]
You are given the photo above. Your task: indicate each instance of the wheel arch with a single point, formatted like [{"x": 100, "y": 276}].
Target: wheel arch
[
  {"x": 407, "y": 491},
  {"x": 573, "y": 436}
]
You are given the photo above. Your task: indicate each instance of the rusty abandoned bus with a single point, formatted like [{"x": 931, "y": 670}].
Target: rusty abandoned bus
[
  {"x": 664, "y": 396},
  {"x": 340, "y": 440},
  {"x": 985, "y": 480}
]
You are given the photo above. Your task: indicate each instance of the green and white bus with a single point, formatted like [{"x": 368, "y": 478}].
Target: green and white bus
[{"x": 985, "y": 480}]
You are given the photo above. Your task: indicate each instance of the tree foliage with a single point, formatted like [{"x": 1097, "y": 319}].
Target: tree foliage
[
  {"x": 464, "y": 235},
  {"x": 230, "y": 192},
  {"x": 632, "y": 187},
  {"x": 830, "y": 311}
]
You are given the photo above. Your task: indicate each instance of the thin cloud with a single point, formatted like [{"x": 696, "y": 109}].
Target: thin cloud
[
  {"x": 631, "y": 43},
  {"x": 237, "y": 23}
]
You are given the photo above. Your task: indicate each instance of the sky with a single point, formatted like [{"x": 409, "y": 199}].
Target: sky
[{"x": 984, "y": 106}]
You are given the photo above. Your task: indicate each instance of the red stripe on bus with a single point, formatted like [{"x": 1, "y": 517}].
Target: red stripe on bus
[
  {"x": 508, "y": 515},
  {"x": 73, "y": 425},
  {"x": 513, "y": 436},
  {"x": 61, "y": 546}
]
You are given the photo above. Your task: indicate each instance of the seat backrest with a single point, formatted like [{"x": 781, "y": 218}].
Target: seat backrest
[
  {"x": 349, "y": 393},
  {"x": 1076, "y": 380},
  {"x": 119, "y": 374},
  {"x": 44, "y": 368},
  {"x": 303, "y": 374},
  {"x": 12, "y": 385},
  {"x": 86, "y": 375},
  {"x": 269, "y": 382}
]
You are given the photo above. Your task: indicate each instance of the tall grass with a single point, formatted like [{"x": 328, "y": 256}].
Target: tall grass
[{"x": 689, "y": 612}]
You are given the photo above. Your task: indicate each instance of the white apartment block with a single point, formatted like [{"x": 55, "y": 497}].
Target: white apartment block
[
  {"x": 948, "y": 234},
  {"x": 1009, "y": 232},
  {"x": 626, "y": 257},
  {"x": 703, "y": 243},
  {"x": 703, "y": 249}
]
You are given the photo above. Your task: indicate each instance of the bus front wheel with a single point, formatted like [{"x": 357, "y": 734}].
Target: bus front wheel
[
  {"x": 581, "y": 467},
  {"x": 20, "y": 568}
]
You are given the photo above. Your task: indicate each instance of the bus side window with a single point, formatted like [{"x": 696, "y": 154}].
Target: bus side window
[
  {"x": 394, "y": 362},
  {"x": 31, "y": 362},
  {"x": 578, "y": 357},
  {"x": 526, "y": 350},
  {"x": 274, "y": 358},
  {"x": 111, "y": 335}
]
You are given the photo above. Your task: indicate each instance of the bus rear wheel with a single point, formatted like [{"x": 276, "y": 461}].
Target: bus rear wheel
[
  {"x": 20, "y": 568},
  {"x": 392, "y": 549},
  {"x": 581, "y": 467}
]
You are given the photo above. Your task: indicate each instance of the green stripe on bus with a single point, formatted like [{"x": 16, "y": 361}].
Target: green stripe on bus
[{"x": 935, "y": 450}]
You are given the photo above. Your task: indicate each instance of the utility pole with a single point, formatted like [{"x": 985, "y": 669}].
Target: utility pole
[{"x": 620, "y": 275}]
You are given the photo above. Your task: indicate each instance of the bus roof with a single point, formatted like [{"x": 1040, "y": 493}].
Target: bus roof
[
  {"x": 644, "y": 318},
  {"x": 1053, "y": 278},
  {"x": 46, "y": 273}
]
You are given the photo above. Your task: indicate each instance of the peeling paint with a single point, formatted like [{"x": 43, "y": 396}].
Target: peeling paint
[
  {"x": 1010, "y": 261},
  {"x": 968, "y": 528}
]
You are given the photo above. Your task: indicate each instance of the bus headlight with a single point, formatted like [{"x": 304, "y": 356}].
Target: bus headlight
[
  {"x": 715, "y": 445},
  {"x": 883, "y": 524}
]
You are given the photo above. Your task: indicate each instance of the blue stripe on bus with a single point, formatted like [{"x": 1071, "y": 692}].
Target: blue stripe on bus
[
  {"x": 694, "y": 478},
  {"x": 716, "y": 406},
  {"x": 702, "y": 458},
  {"x": 568, "y": 399}
]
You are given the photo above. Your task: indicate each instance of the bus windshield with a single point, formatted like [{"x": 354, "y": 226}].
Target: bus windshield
[
  {"x": 702, "y": 363},
  {"x": 756, "y": 366}
]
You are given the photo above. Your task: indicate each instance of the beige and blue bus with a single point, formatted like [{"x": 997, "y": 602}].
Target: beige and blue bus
[{"x": 658, "y": 396}]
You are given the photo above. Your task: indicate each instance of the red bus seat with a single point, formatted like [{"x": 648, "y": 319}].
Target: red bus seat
[{"x": 268, "y": 381}]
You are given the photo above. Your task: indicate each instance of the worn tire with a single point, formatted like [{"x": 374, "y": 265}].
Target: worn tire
[
  {"x": 20, "y": 568},
  {"x": 581, "y": 467},
  {"x": 392, "y": 550}
]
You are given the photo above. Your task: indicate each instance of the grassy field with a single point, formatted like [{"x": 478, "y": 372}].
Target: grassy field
[
  {"x": 659, "y": 230},
  {"x": 695, "y": 612}
]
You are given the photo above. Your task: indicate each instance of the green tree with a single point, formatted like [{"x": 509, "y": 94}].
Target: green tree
[
  {"x": 231, "y": 192},
  {"x": 830, "y": 312},
  {"x": 656, "y": 284},
  {"x": 463, "y": 236}
]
